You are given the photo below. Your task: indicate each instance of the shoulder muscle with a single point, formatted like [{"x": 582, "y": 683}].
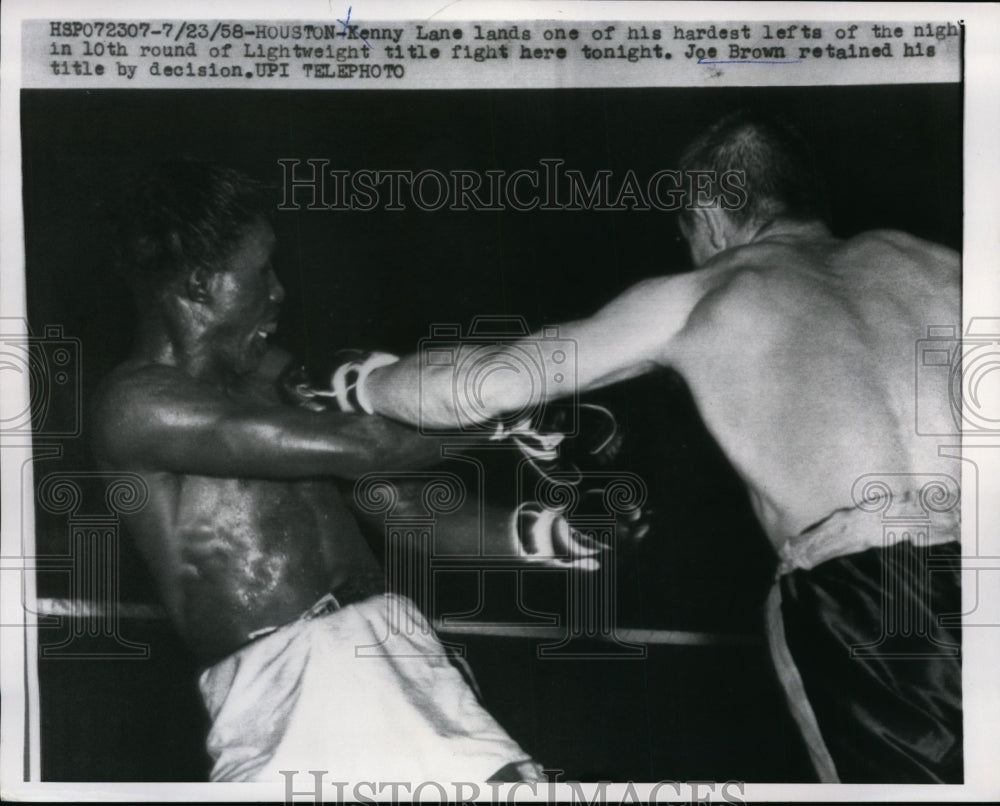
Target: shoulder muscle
[{"x": 137, "y": 408}]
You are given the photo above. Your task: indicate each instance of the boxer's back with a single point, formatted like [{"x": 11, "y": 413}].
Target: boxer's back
[{"x": 802, "y": 364}]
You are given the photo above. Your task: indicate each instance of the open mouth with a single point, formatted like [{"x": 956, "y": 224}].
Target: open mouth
[{"x": 267, "y": 329}]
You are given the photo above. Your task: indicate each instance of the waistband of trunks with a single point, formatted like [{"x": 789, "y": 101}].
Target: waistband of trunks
[
  {"x": 355, "y": 588},
  {"x": 853, "y": 529}
]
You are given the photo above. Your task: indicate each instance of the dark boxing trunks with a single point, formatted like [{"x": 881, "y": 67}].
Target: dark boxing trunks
[
  {"x": 868, "y": 647},
  {"x": 891, "y": 710}
]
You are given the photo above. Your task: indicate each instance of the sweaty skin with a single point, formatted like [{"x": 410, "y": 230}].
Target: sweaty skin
[
  {"x": 245, "y": 527},
  {"x": 798, "y": 348}
]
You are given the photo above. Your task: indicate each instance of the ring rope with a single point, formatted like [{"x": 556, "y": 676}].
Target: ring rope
[{"x": 137, "y": 611}]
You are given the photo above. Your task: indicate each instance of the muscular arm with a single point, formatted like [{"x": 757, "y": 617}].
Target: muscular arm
[
  {"x": 628, "y": 337},
  {"x": 478, "y": 528},
  {"x": 474, "y": 528},
  {"x": 159, "y": 419}
]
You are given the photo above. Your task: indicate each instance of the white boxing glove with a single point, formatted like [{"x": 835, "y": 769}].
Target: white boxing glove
[
  {"x": 547, "y": 537},
  {"x": 348, "y": 381}
]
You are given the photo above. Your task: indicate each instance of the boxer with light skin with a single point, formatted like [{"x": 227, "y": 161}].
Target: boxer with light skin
[
  {"x": 258, "y": 559},
  {"x": 798, "y": 348}
]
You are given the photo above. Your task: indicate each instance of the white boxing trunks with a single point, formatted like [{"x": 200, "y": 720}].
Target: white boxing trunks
[{"x": 365, "y": 693}]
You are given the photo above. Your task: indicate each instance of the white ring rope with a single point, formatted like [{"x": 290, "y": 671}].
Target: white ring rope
[{"x": 149, "y": 612}]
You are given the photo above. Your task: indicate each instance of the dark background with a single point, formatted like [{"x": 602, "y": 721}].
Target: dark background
[{"x": 380, "y": 279}]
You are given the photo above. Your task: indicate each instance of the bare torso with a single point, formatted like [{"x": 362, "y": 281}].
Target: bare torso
[
  {"x": 801, "y": 358},
  {"x": 235, "y": 555}
]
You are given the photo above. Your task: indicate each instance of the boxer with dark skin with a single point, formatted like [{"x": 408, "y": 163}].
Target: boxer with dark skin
[
  {"x": 256, "y": 553},
  {"x": 245, "y": 526}
]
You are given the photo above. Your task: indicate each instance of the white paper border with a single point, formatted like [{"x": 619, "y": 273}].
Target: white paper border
[{"x": 981, "y": 294}]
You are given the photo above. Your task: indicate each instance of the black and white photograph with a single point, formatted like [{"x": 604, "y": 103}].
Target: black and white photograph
[{"x": 576, "y": 402}]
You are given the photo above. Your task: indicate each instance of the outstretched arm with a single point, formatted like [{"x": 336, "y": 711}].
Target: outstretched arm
[
  {"x": 159, "y": 419},
  {"x": 630, "y": 336},
  {"x": 531, "y": 533}
]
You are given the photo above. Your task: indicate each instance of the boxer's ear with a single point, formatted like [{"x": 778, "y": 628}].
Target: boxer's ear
[
  {"x": 199, "y": 285},
  {"x": 716, "y": 222}
]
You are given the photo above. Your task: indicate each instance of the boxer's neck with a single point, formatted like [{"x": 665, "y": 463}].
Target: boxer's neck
[
  {"x": 166, "y": 336},
  {"x": 788, "y": 229}
]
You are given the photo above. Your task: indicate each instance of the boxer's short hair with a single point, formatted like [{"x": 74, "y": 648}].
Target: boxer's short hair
[
  {"x": 183, "y": 214},
  {"x": 781, "y": 177}
]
